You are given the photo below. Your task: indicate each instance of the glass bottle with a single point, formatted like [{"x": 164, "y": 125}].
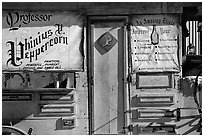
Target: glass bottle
[
  {"x": 154, "y": 36},
  {"x": 191, "y": 49}
]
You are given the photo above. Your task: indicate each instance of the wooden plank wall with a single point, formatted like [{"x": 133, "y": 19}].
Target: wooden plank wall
[
  {"x": 97, "y": 8},
  {"x": 103, "y": 8}
]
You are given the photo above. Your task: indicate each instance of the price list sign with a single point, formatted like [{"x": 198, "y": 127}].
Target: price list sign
[{"x": 154, "y": 43}]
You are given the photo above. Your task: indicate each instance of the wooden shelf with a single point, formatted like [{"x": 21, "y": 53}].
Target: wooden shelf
[{"x": 38, "y": 90}]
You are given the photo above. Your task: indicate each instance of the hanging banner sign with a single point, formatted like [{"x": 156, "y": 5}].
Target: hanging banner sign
[
  {"x": 42, "y": 40},
  {"x": 154, "y": 43}
]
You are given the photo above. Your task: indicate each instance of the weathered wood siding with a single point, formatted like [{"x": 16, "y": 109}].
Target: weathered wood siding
[{"x": 104, "y": 8}]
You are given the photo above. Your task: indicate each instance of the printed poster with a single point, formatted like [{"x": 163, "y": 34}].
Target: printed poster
[
  {"x": 42, "y": 40},
  {"x": 154, "y": 43}
]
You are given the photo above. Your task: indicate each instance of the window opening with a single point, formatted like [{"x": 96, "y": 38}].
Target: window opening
[{"x": 193, "y": 41}]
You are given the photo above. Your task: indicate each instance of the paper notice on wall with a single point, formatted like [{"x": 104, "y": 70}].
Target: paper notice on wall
[
  {"x": 154, "y": 43},
  {"x": 42, "y": 40}
]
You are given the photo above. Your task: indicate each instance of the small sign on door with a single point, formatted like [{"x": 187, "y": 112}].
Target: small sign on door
[{"x": 105, "y": 42}]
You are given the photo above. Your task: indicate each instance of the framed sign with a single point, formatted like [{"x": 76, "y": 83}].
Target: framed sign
[
  {"x": 153, "y": 100},
  {"x": 155, "y": 42},
  {"x": 17, "y": 96},
  {"x": 147, "y": 113},
  {"x": 42, "y": 40},
  {"x": 56, "y": 110},
  {"x": 153, "y": 80}
]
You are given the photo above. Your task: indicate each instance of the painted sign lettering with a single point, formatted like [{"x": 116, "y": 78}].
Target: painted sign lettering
[
  {"x": 14, "y": 18},
  {"x": 31, "y": 39},
  {"x": 154, "y": 42}
]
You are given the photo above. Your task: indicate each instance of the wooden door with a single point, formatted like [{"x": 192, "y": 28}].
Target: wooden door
[{"x": 108, "y": 44}]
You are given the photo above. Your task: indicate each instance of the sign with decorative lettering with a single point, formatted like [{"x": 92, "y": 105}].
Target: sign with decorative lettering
[
  {"x": 42, "y": 40},
  {"x": 154, "y": 43}
]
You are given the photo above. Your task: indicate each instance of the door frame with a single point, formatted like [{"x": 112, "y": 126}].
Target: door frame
[{"x": 90, "y": 63}]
